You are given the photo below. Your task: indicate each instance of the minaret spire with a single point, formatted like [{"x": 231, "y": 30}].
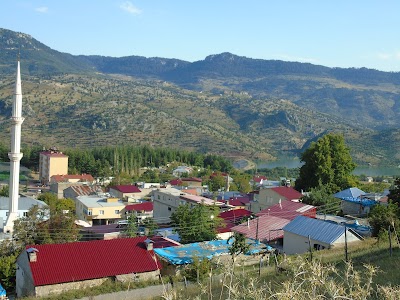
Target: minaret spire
[{"x": 15, "y": 154}]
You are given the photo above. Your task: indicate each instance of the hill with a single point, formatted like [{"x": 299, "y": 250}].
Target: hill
[{"x": 223, "y": 104}]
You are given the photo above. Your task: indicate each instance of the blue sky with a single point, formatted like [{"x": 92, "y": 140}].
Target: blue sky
[{"x": 351, "y": 33}]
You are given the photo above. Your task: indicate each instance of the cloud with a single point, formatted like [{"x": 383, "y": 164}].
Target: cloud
[
  {"x": 42, "y": 9},
  {"x": 130, "y": 8}
]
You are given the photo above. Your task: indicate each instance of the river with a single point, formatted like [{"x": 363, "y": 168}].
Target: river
[{"x": 291, "y": 163}]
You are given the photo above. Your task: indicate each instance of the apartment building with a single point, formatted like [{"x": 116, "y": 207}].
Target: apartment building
[{"x": 51, "y": 163}]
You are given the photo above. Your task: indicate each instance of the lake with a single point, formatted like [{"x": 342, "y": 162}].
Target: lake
[{"x": 291, "y": 163}]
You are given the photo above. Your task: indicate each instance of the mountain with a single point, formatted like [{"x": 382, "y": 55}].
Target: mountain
[{"x": 223, "y": 104}]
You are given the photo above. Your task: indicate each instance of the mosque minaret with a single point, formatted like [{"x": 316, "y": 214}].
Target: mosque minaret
[{"x": 15, "y": 155}]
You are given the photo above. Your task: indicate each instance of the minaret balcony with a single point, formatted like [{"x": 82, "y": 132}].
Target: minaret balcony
[
  {"x": 17, "y": 120},
  {"x": 15, "y": 156}
]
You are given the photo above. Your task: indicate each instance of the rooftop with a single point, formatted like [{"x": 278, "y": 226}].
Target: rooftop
[
  {"x": 288, "y": 192},
  {"x": 66, "y": 178},
  {"x": 144, "y": 206},
  {"x": 24, "y": 203},
  {"x": 289, "y": 210},
  {"x": 59, "y": 263},
  {"x": 126, "y": 188},
  {"x": 93, "y": 201},
  {"x": 53, "y": 154}
]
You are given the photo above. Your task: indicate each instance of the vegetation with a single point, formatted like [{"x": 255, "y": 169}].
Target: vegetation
[
  {"x": 381, "y": 217},
  {"x": 328, "y": 163},
  {"x": 394, "y": 193},
  {"x": 196, "y": 224},
  {"x": 4, "y": 191},
  {"x": 131, "y": 229},
  {"x": 321, "y": 195}
]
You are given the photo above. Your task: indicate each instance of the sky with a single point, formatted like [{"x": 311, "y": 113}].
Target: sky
[{"x": 340, "y": 33}]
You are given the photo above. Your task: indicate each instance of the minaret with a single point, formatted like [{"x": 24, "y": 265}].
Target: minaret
[{"x": 15, "y": 155}]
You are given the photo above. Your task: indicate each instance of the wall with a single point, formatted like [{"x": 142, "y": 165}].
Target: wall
[
  {"x": 296, "y": 244},
  {"x": 138, "y": 276},
  {"x": 24, "y": 279},
  {"x": 266, "y": 198},
  {"x": 42, "y": 291},
  {"x": 354, "y": 209}
]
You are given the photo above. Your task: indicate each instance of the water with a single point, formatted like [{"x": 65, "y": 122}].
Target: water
[{"x": 291, "y": 163}]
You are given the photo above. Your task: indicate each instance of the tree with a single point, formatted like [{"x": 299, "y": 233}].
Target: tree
[
  {"x": 238, "y": 246},
  {"x": 131, "y": 229},
  {"x": 321, "y": 196},
  {"x": 4, "y": 191},
  {"x": 150, "y": 226},
  {"x": 196, "y": 224},
  {"x": 327, "y": 162},
  {"x": 394, "y": 193},
  {"x": 382, "y": 216},
  {"x": 7, "y": 271},
  {"x": 217, "y": 182}
]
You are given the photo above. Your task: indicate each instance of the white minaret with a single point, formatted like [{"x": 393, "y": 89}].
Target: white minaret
[{"x": 15, "y": 155}]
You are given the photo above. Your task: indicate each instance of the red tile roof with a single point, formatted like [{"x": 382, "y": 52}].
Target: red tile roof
[
  {"x": 59, "y": 263},
  {"x": 66, "y": 178},
  {"x": 258, "y": 178},
  {"x": 175, "y": 182},
  {"x": 126, "y": 188},
  {"x": 146, "y": 206},
  {"x": 289, "y": 210},
  {"x": 231, "y": 217},
  {"x": 269, "y": 228},
  {"x": 192, "y": 179},
  {"x": 288, "y": 192}
]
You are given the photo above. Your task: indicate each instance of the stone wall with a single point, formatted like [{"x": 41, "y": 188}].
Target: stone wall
[
  {"x": 42, "y": 291},
  {"x": 138, "y": 276}
]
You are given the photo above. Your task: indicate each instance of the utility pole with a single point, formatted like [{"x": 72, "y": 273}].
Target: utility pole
[
  {"x": 309, "y": 247},
  {"x": 345, "y": 244},
  {"x": 257, "y": 229},
  {"x": 390, "y": 242}
]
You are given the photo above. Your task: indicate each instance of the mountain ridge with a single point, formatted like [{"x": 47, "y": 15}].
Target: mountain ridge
[{"x": 281, "y": 105}]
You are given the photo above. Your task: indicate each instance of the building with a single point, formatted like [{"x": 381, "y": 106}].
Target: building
[
  {"x": 52, "y": 162},
  {"x": 267, "y": 229},
  {"x": 130, "y": 193},
  {"x": 75, "y": 191},
  {"x": 24, "y": 204},
  {"x": 15, "y": 154},
  {"x": 174, "y": 257},
  {"x": 192, "y": 181},
  {"x": 232, "y": 218},
  {"x": 140, "y": 211},
  {"x": 59, "y": 183},
  {"x": 167, "y": 200},
  {"x": 270, "y": 196},
  {"x": 99, "y": 210},
  {"x": 303, "y": 233},
  {"x": 289, "y": 210},
  {"x": 55, "y": 268}
]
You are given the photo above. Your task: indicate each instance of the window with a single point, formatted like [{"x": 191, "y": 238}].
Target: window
[
  {"x": 89, "y": 212},
  {"x": 101, "y": 212},
  {"x": 169, "y": 208},
  {"x": 25, "y": 213},
  {"x": 117, "y": 211},
  {"x": 6, "y": 213}
]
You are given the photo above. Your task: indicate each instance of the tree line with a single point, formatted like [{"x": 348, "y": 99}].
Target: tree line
[{"x": 113, "y": 160}]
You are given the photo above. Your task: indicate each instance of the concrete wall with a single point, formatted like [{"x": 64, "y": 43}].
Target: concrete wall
[
  {"x": 42, "y": 291},
  {"x": 138, "y": 276},
  {"x": 354, "y": 209},
  {"x": 296, "y": 244},
  {"x": 24, "y": 280}
]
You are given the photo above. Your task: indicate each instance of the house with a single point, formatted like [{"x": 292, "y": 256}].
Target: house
[
  {"x": 192, "y": 181},
  {"x": 99, "y": 210},
  {"x": 24, "y": 204},
  {"x": 231, "y": 218},
  {"x": 179, "y": 171},
  {"x": 289, "y": 210},
  {"x": 258, "y": 180},
  {"x": 75, "y": 191},
  {"x": 52, "y": 162},
  {"x": 270, "y": 196},
  {"x": 173, "y": 257},
  {"x": 303, "y": 233},
  {"x": 125, "y": 191},
  {"x": 167, "y": 200},
  {"x": 266, "y": 229},
  {"x": 355, "y": 202},
  {"x": 55, "y": 268},
  {"x": 140, "y": 211},
  {"x": 58, "y": 183}
]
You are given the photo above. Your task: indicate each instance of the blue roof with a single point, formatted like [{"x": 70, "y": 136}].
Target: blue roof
[
  {"x": 2, "y": 291},
  {"x": 351, "y": 192},
  {"x": 318, "y": 230},
  {"x": 363, "y": 202},
  {"x": 184, "y": 254}
]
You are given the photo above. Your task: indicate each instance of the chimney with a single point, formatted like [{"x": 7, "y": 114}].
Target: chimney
[
  {"x": 149, "y": 244},
  {"x": 32, "y": 254}
]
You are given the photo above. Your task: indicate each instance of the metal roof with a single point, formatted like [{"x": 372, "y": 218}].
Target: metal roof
[
  {"x": 318, "y": 230},
  {"x": 350, "y": 192},
  {"x": 59, "y": 263},
  {"x": 289, "y": 210},
  {"x": 24, "y": 203}
]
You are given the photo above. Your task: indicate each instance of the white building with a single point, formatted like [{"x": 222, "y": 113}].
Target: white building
[{"x": 304, "y": 232}]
